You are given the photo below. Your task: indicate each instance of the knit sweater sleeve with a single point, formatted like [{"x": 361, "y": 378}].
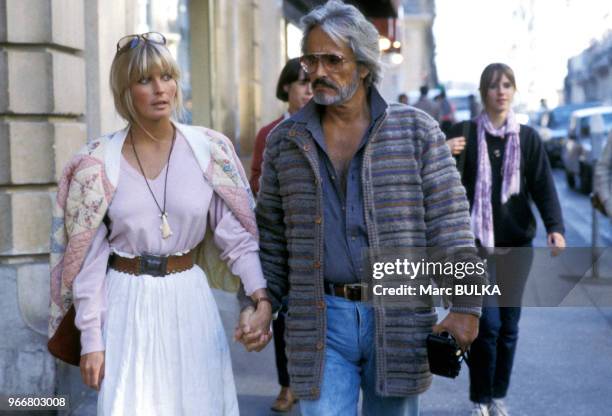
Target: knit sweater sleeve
[
  {"x": 541, "y": 184},
  {"x": 88, "y": 293},
  {"x": 270, "y": 220},
  {"x": 447, "y": 216},
  {"x": 260, "y": 142}
]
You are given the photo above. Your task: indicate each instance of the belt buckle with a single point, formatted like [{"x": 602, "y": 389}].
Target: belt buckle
[
  {"x": 153, "y": 265},
  {"x": 356, "y": 291}
]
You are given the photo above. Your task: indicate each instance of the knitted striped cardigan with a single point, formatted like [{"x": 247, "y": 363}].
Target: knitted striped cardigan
[
  {"x": 412, "y": 198},
  {"x": 86, "y": 190}
]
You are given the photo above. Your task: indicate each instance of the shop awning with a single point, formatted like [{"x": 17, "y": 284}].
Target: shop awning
[{"x": 295, "y": 9}]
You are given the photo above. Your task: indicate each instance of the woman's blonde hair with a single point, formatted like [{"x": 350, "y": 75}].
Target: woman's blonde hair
[{"x": 132, "y": 64}]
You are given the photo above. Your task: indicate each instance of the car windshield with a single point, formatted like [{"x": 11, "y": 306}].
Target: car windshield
[
  {"x": 607, "y": 118},
  {"x": 559, "y": 117}
]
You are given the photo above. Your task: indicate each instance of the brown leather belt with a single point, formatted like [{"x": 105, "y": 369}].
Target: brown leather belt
[
  {"x": 157, "y": 266},
  {"x": 357, "y": 292}
]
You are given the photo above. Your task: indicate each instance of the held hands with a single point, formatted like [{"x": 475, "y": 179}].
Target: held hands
[
  {"x": 462, "y": 326},
  {"x": 92, "y": 369},
  {"x": 556, "y": 242},
  {"x": 456, "y": 145},
  {"x": 253, "y": 328}
]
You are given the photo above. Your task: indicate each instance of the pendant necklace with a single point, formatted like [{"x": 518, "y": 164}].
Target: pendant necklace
[{"x": 165, "y": 229}]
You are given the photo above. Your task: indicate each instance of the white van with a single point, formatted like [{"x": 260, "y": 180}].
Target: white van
[{"x": 588, "y": 130}]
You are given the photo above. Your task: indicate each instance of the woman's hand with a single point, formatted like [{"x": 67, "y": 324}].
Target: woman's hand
[
  {"x": 92, "y": 369},
  {"x": 254, "y": 327},
  {"x": 456, "y": 145},
  {"x": 556, "y": 241}
]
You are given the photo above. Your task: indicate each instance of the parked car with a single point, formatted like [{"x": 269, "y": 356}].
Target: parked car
[
  {"x": 587, "y": 134},
  {"x": 552, "y": 126}
]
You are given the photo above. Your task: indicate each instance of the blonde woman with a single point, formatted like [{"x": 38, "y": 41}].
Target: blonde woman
[{"x": 131, "y": 208}]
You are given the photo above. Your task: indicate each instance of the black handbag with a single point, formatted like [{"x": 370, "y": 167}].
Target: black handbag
[{"x": 444, "y": 355}]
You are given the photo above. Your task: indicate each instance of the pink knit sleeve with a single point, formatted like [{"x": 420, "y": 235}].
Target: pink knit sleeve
[
  {"x": 238, "y": 247},
  {"x": 88, "y": 293}
]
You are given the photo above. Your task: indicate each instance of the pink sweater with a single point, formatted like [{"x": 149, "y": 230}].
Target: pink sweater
[{"x": 134, "y": 230}]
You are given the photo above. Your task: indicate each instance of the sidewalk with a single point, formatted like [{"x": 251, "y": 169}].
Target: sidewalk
[
  {"x": 563, "y": 364},
  {"x": 563, "y": 367},
  {"x": 255, "y": 372}
]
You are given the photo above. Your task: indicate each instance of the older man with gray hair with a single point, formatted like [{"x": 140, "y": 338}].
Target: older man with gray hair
[{"x": 348, "y": 173}]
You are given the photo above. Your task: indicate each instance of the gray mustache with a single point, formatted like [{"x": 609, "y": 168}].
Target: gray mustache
[{"x": 323, "y": 82}]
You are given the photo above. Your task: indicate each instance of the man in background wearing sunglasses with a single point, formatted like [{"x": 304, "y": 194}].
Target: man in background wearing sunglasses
[{"x": 346, "y": 173}]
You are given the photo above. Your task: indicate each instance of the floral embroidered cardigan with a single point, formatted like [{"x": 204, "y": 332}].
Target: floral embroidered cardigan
[{"x": 86, "y": 190}]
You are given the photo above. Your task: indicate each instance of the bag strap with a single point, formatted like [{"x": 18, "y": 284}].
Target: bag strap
[
  {"x": 465, "y": 356},
  {"x": 462, "y": 155}
]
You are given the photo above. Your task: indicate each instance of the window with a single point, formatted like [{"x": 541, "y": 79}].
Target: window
[
  {"x": 294, "y": 41},
  {"x": 171, "y": 18}
]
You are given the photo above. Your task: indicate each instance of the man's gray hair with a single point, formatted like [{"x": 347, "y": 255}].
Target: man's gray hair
[{"x": 345, "y": 24}]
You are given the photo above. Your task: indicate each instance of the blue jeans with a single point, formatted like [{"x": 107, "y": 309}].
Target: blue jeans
[
  {"x": 492, "y": 353},
  {"x": 350, "y": 363}
]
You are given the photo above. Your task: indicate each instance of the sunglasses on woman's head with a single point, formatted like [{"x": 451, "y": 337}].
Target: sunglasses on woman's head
[{"x": 131, "y": 41}]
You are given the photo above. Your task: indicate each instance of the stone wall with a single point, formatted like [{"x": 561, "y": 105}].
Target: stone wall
[
  {"x": 54, "y": 63},
  {"x": 42, "y": 104}
]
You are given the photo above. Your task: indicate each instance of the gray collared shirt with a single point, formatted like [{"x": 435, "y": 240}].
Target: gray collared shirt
[{"x": 345, "y": 233}]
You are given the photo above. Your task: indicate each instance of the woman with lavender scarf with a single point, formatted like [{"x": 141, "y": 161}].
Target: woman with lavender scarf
[{"x": 504, "y": 169}]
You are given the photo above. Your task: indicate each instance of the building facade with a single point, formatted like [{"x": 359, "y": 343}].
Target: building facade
[
  {"x": 414, "y": 64},
  {"x": 589, "y": 75}
]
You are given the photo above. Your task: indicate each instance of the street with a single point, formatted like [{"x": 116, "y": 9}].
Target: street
[{"x": 563, "y": 364}]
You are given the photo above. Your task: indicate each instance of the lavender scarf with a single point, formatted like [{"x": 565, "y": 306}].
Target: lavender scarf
[{"x": 482, "y": 210}]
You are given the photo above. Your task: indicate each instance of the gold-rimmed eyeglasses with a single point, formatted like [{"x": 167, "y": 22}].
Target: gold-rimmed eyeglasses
[
  {"x": 131, "y": 41},
  {"x": 331, "y": 62}
]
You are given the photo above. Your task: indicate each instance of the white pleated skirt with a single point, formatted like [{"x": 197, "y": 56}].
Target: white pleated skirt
[{"x": 166, "y": 350}]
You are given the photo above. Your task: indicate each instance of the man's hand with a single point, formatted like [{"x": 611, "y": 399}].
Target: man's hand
[
  {"x": 462, "y": 326},
  {"x": 92, "y": 369},
  {"x": 253, "y": 328},
  {"x": 556, "y": 241}
]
